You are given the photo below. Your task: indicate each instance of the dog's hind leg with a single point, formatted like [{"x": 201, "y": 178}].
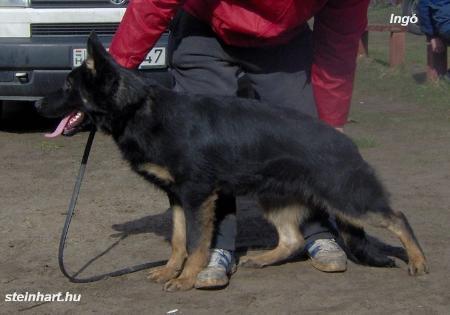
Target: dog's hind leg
[
  {"x": 174, "y": 266},
  {"x": 200, "y": 225},
  {"x": 396, "y": 222},
  {"x": 286, "y": 220},
  {"x": 399, "y": 225}
]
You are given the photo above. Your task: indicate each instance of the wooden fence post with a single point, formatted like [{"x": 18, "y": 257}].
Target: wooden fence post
[
  {"x": 436, "y": 63},
  {"x": 397, "y": 48}
]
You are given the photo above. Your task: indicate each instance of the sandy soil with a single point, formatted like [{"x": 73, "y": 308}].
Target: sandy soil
[{"x": 408, "y": 145}]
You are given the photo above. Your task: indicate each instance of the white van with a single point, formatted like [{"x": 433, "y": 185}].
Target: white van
[{"x": 42, "y": 40}]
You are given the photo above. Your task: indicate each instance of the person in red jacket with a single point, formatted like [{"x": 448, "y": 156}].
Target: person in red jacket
[{"x": 213, "y": 43}]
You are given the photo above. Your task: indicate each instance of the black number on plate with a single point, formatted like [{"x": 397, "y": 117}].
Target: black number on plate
[{"x": 158, "y": 53}]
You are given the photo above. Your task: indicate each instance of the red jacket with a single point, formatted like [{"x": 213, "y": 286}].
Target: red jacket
[{"x": 338, "y": 25}]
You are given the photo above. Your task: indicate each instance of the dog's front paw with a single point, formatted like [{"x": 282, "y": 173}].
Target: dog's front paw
[
  {"x": 179, "y": 284},
  {"x": 162, "y": 274},
  {"x": 418, "y": 267},
  {"x": 251, "y": 262}
]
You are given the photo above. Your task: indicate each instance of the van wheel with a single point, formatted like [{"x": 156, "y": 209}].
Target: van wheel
[{"x": 1, "y": 114}]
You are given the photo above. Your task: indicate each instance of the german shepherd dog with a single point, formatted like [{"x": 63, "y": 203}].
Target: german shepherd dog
[{"x": 195, "y": 147}]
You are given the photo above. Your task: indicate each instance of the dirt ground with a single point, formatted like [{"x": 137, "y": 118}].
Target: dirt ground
[{"x": 122, "y": 216}]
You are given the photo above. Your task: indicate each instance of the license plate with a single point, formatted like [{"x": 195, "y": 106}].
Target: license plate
[{"x": 156, "y": 58}]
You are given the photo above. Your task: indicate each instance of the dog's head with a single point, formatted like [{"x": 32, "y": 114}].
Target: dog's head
[{"x": 94, "y": 91}]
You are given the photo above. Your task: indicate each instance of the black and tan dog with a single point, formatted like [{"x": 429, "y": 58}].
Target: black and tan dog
[{"x": 195, "y": 147}]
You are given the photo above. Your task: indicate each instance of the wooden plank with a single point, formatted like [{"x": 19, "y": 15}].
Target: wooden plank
[
  {"x": 396, "y": 42},
  {"x": 385, "y": 28},
  {"x": 396, "y": 49}
]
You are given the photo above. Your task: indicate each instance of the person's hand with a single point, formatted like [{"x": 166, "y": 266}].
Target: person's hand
[
  {"x": 340, "y": 129},
  {"x": 437, "y": 45}
]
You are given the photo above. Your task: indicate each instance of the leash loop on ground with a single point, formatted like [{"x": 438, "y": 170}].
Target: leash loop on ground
[{"x": 70, "y": 212}]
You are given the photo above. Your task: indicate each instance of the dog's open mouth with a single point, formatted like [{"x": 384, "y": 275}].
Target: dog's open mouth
[{"x": 68, "y": 126}]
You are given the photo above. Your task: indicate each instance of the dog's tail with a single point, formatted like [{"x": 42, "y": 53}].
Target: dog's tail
[{"x": 364, "y": 249}]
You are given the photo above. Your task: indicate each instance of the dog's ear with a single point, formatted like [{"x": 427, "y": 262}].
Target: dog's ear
[{"x": 98, "y": 60}]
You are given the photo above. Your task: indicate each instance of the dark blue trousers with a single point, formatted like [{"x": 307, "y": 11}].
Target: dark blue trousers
[{"x": 201, "y": 63}]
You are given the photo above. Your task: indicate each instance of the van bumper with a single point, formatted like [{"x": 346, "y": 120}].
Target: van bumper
[{"x": 30, "y": 68}]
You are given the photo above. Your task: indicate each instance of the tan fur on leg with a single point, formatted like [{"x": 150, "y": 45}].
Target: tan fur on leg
[
  {"x": 199, "y": 258},
  {"x": 397, "y": 223},
  {"x": 401, "y": 228},
  {"x": 179, "y": 253},
  {"x": 286, "y": 221}
]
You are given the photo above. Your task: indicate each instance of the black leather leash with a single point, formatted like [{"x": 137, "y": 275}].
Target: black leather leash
[{"x": 70, "y": 212}]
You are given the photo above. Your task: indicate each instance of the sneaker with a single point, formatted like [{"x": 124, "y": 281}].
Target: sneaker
[
  {"x": 326, "y": 255},
  {"x": 220, "y": 267}
]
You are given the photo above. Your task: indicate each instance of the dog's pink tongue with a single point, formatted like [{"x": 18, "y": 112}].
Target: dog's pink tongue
[{"x": 58, "y": 131}]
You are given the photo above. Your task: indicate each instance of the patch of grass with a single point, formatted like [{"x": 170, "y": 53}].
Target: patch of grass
[
  {"x": 365, "y": 142},
  {"x": 400, "y": 85},
  {"x": 381, "y": 14},
  {"x": 406, "y": 84}
]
